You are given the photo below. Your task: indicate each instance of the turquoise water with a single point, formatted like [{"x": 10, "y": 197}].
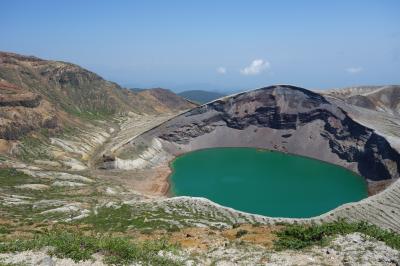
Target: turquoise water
[{"x": 264, "y": 182}]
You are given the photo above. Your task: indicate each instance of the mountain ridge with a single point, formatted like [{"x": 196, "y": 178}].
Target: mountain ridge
[
  {"x": 54, "y": 94},
  {"x": 201, "y": 96}
]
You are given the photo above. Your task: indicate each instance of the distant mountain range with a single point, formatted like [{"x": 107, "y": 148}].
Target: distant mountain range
[{"x": 201, "y": 96}]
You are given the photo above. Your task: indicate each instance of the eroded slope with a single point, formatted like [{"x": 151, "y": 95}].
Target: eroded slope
[{"x": 282, "y": 118}]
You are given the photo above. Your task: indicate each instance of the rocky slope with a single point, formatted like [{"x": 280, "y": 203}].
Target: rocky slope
[
  {"x": 159, "y": 100},
  {"x": 56, "y": 121},
  {"x": 65, "y": 85},
  {"x": 283, "y": 118},
  {"x": 42, "y": 94},
  {"x": 384, "y": 99},
  {"x": 22, "y": 111}
]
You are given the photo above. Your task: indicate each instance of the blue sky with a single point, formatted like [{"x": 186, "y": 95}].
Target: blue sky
[{"x": 215, "y": 45}]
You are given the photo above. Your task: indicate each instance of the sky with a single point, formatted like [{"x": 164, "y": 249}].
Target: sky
[{"x": 220, "y": 45}]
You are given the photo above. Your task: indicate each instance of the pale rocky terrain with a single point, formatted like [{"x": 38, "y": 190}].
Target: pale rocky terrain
[
  {"x": 385, "y": 99},
  {"x": 352, "y": 249}
]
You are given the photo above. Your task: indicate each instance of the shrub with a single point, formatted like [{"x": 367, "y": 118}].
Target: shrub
[
  {"x": 296, "y": 236},
  {"x": 78, "y": 247},
  {"x": 241, "y": 233}
]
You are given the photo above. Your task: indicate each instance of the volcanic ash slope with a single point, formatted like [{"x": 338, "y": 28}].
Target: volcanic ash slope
[{"x": 282, "y": 118}]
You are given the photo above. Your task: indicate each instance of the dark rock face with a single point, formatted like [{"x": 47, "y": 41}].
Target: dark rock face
[
  {"x": 267, "y": 113},
  {"x": 30, "y": 102},
  {"x": 15, "y": 130},
  {"x": 370, "y": 157},
  {"x": 289, "y": 108},
  {"x": 22, "y": 111}
]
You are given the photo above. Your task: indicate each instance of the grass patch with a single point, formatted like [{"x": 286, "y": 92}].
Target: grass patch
[
  {"x": 12, "y": 177},
  {"x": 89, "y": 115},
  {"x": 125, "y": 217},
  {"x": 297, "y": 236},
  {"x": 4, "y": 230},
  {"x": 77, "y": 246},
  {"x": 32, "y": 148}
]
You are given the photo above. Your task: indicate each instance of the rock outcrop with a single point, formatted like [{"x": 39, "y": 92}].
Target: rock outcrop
[{"x": 22, "y": 111}]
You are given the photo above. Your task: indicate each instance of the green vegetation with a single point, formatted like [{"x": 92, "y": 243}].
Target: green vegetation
[
  {"x": 33, "y": 148},
  {"x": 100, "y": 114},
  {"x": 4, "y": 230},
  {"x": 241, "y": 233},
  {"x": 125, "y": 217},
  {"x": 297, "y": 236},
  {"x": 12, "y": 177},
  {"x": 78, "y": 246},
  {"x": 147, "y": 217}
]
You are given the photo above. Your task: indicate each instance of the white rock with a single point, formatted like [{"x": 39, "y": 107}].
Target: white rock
[
  {"x": 33, "y": 186},
  {"x": 67, "y": 184}
]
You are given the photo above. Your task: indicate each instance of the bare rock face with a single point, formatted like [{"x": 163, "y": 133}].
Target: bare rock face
[
  {"x": 378, "y": 98},
  {"x": 283, "y": 118},
  {"x": 22, "y": 111}
]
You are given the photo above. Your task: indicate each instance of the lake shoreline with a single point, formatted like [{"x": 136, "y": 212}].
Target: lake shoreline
[{"x": 291, "y": 157}]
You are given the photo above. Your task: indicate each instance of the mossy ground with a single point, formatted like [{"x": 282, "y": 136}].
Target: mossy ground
[
  {"x": 33, "y": 148},
  {"x": 297, "y": 236}
]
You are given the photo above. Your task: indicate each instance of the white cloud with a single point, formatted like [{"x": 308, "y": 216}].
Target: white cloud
[
  {"x": 354, "y": 70},
  {"x": 256, "y": 67},
  {"x": 221, "y": 70}
]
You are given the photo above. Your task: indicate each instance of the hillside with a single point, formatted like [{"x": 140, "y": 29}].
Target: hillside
[
  {"x": 160, "y": 100},
  {"x": 37, "y": 94},
  {"x": 22, "y": 111},
  {"x": 200, "y": 96},
  {"x": 67, "y": 86},
  {"x": 384, "y": 99}
]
